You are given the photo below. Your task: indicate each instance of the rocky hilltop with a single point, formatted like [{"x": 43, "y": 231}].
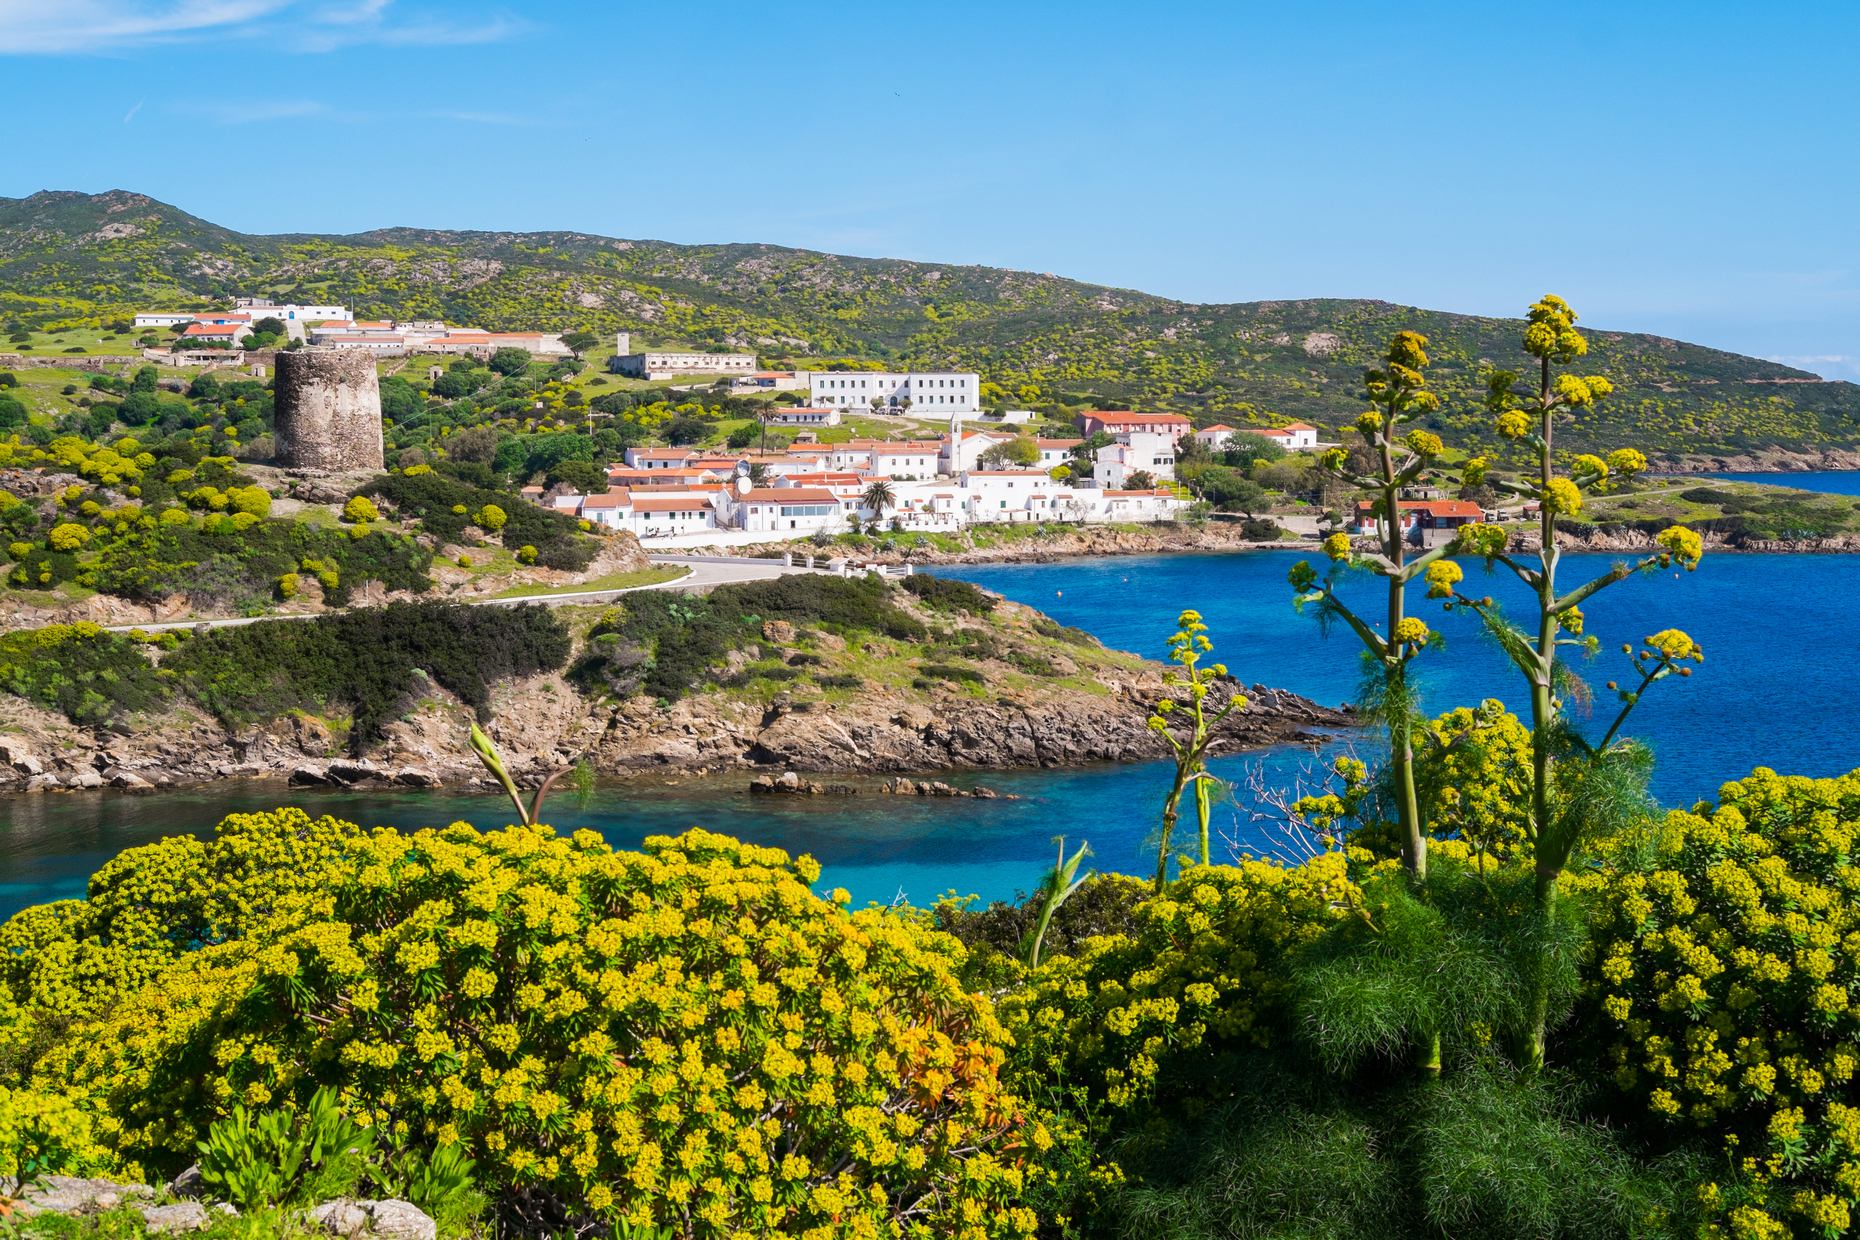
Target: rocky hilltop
[{"x": 1025, "y": 693}]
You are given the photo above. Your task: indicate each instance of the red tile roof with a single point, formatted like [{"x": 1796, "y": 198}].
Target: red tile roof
[{"x": 788, "y": 495}]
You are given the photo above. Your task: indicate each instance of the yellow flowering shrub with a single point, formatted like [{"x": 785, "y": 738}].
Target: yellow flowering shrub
[
  {"x": 67, "y": 537},
  {"x": 360, "y": 508},
  {"x": 44, "y": 1134},
  {"x": 683, "y": 1036},
  {"x": 1475, "y": 768},
  {"x": 1722, "y": 984},
  {"x": 1131, "y": 1019}
]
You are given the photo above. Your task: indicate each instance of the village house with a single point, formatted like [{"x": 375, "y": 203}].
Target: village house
[
  {"x": 1124, "y": 422},
  {"x": 1420, "y": 514}
]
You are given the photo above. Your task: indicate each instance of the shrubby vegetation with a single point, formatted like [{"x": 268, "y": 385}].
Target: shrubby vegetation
[
  {"x": 684, "y": 1036},
  {"x": 1039, "y": 341},
  {"x": 365, "y": 662},
  {"x": 1495, "y": 991},
  {"x": 668, "y": 645}
]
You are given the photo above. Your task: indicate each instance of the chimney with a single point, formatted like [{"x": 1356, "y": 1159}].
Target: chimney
[{"x": 623, "y": 343}]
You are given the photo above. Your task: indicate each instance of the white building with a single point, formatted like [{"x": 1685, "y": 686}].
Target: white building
[
  {"x": 800, "y": 415},
  {"x": 667, "y": 364},
  {"x": 1293, "y": 437},
  {"x": 930, "y": 392},
  {"x": 1214, "y": 436},
  {"x": 1134, "y": 452},
  {"x": 790, "y": 510},
  {"x": 770, "y": 381},
  {"x": 161, "y": 318}
]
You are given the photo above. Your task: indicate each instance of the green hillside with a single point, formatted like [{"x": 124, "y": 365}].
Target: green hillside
[{"x": 73, "y": 260}]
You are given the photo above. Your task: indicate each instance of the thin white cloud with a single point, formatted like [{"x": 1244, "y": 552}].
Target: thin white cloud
[
  {"x": 131, "y": 115},
  {"x": 28, "y": 27},
  {"x": 97, "y": 27},
  {"x": 232, "y": 113}
]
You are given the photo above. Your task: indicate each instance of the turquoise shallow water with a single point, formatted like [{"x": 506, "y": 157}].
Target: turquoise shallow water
[{"x": 1776, "y": 691}]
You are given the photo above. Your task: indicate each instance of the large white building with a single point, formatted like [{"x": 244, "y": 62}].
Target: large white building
[
  {"x": 666, "y": 364},
  {"x": 930, "y": 392}
]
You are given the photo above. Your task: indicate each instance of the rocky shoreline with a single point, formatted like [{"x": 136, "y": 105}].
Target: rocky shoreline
[
  {"x": 1763, "y": 461},
  {"x": 1094, "y": 706}
]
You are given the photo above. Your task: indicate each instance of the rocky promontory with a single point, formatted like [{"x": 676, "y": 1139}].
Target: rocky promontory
[{"x": 1004, "y": 689}]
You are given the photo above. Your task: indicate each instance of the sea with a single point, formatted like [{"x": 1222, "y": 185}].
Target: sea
[{"x": 1775, "y": 691}]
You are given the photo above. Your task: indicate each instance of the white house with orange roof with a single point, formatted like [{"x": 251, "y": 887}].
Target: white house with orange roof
[
  {"x": 1125, "y": 422},
  {"x": 1291, "y": 438},
  {"x": 1215, "y": 436},
  {"x": 795, "y": 511}
]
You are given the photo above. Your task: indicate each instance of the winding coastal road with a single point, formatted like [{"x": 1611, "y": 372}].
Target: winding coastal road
[{"x": 704, "y": 574}]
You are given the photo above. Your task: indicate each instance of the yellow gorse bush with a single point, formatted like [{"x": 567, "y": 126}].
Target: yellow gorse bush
[
  {"x": 683, "y": 1036},
  {"x": 1207, "y": 972},
  {"x": 1724, "y": 983}
]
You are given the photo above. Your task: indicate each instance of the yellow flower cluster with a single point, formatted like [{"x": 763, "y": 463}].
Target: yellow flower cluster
[
  {"x": 1724, "y": 982},
  {"x": 1551, "y": 332},
  {"x": 1337, "y": 546},
  {"x": 682, "y": 1033},
  {"x": 1677, "y": 543},
  {"x": 1562, "y": 496},
  {"x": 1411, "y": 631},
  {"x": 1207, "y": 970},
  {"x": 1442, "y": 576},
  {"x": 1423, "y": 443}
]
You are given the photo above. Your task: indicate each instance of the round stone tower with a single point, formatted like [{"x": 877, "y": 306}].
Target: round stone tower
[{"x": 327, "y": 404}]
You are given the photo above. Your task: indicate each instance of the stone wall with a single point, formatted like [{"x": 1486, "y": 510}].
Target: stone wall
[{"x": 328, "y": 404}]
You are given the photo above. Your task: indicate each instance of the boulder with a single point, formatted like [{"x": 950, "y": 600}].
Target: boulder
[
  {"x": 389, "y": 1220},
  {"x": 86, "y": 779},
  {"x": 778, "y": 631},
  {"x": 129, "y": 781},
  {"x": 189, "y": 1184},
  {"x": 68, "y": 1194},
  {"x": 309, "y": 777},
  {"x": 412, "y": 777},
  {"x": 181, "y": 1216},
  {"x": 355, "y": 772}
]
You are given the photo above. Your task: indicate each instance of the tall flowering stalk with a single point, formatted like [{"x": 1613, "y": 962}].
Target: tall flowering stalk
[
  {"x": 1186, "y": 646},
  {"x": 1530, "y": 418},
  {"x": 1399, "y": 393}
]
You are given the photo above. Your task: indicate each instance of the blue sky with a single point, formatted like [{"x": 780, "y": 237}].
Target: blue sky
[{"x": 1681, "y": 169}]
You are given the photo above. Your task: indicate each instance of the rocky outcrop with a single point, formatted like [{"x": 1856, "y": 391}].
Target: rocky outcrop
[
  {"x": 1031, "y": 701},
  {"x": 356, "y": 1219},
  {"x": 1763, "y": 461}
]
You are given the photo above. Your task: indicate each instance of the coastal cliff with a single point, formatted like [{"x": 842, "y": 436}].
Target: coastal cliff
[{"x": 1008, "y": 688}]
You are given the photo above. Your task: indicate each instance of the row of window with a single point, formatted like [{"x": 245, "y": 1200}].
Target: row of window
[{"x": 809, "y": 510}]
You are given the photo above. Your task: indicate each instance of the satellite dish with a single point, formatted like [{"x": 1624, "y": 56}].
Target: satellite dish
[
  {"x": 743, "y": 484},
  {"x": 742, "y": 469}
]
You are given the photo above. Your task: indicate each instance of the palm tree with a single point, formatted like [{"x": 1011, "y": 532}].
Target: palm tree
[{"x": 878, "y": 497}]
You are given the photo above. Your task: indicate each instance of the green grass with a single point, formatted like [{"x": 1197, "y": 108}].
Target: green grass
[{"x": 618, "y": 581}]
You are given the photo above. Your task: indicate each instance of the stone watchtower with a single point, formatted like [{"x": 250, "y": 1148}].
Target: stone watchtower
[{"x": 327, "y": 405}]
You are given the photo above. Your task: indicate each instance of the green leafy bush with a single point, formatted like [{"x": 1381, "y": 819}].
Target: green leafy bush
[
  {"x": 81, "y": 670},
  {"x": 947, "y": 594},
  {"x": 945, "y": 671},
  {"x": 286, "y": 1158},
  {"x": 435, "y": 499},
  {"x": 367, "y": 660}
]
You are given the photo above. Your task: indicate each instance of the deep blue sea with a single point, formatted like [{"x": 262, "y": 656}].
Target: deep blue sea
[
  {"x": 1829, "y": 482},
  {"x": 1776, "y": 690}
]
